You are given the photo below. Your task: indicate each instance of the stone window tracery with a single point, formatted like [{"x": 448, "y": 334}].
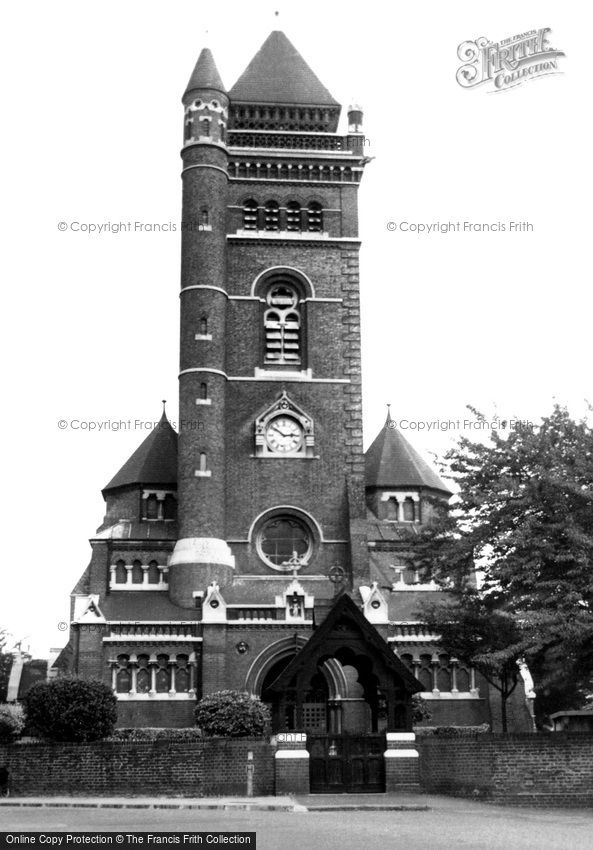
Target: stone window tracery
[{"x": 282, "y": 323}]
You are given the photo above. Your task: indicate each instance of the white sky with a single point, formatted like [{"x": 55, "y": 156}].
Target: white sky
[{"x": 93, "y": 127}]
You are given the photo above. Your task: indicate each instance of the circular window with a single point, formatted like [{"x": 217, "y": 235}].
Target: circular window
[{"x": 285, "y": 542}]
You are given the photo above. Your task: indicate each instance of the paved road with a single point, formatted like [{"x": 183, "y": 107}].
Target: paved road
[{"x": 452, "y": 824}]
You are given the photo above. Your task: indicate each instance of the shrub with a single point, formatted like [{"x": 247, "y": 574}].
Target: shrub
[
  {"x": 454, "y": 731},
  {"x": 154, "y": 733},
  {"x": 420, "y": 710},
  {"x": 12, "y": 723},
  {"x": 232, "y": 714},
  {"x": 71, "y": 709}
]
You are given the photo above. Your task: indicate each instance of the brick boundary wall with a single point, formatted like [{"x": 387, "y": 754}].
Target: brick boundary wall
[
  {"x": 553, "y": 769},
  {"x": 212, "y": 767}
]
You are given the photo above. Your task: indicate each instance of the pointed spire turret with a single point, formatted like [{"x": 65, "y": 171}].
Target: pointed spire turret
[
  {"x": 153, "y": 462},
  {"x": 205, "y": 75},
  {"x": 391, "y": 461}
]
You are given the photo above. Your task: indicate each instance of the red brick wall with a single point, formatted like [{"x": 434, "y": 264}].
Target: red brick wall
[
  {"x": 547, "y": 770},
  {"x": 197, "y": 769}
]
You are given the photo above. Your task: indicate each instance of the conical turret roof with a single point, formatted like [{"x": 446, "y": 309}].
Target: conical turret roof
[
  {"x": 153, "y": 462},
  {"x": 391, "y": 461},
  {"x": 279, "y": 74},
  {"x": 205, "y": 74}
]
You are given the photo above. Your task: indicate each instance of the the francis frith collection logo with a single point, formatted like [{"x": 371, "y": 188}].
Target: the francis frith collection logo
[{"x": 507, "y": 63}]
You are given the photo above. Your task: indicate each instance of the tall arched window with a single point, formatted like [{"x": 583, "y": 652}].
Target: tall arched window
[
  {"x": 206, "y": 126},
  {"x": 250, "y": 215},
  {"x": 137, "y": 572},
  {"x": 170, "y": 507},
  {"x": 204, "y": 217},
  {"x": 271, "y": 216},
  {"x": 203, "y": 390},
  {"x": 143, "y": 675},
  {"x": 121, "y": 574},
  {"x": 409, "y": 510},
  {"x": 293, "y": 216},
  {"x": 203, "y": 462},
  {"x": 314, "y": 217},
  {"x": 203, "y": 326},
  {"x": 182, "y": 674},
  {"x": 152, "y": 507},
  {"x": 123, "y": 679},
  {"x": 392, "y": 509},
  {"x": 162, "y": 678},
  {"x": 282, "y": 325}
]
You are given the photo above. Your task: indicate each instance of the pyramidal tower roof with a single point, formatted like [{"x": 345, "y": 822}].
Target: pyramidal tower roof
[
  {"x": 153, "y": 462},
  {"x": 279, "y": 74},
  {"x": 205, "y": 74},
  {"x": 391, "y": 461}
]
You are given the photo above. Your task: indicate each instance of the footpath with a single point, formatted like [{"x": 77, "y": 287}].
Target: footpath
[{"x": 298, "y": 803}]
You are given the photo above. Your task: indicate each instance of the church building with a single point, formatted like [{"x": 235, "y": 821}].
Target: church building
[{"x": 258, "y": 547}]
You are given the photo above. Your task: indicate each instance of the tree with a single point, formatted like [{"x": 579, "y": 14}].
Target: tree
[
  {"x": 71, "y": 709},
  {"x": 5, "y": 665},
  {"x": 473, "y": 630},
  {"x": 232, "y": 714},
  {"x": 11, "y": 722},
  {"x": 524, "y": 517}
]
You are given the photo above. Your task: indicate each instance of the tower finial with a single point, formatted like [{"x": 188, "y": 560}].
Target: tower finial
[{"x": 164, "y": 400}]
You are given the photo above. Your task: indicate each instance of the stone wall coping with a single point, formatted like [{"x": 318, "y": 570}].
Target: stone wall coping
[
  {"x": 400, "y": 736},
  {"x": 401, "y": 754},
  {"x": 291, "y": 754}
]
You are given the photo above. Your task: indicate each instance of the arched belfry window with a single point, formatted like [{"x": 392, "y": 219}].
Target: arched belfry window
[
  {"x": 272, "y": 221},
  {"x": 314, "y": 217},
  {"x": 282, "y": 325},
  {"x": 293, "y": 216},
  {"x": 409, "y": 510},
  {"x": 250, "y": 215}
]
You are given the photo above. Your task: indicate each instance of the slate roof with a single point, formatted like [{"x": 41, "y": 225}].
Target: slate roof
[
  {"x": 279, "y": 74},
  {"x": 205, "y": 75},
  {"x": 153, "y": 462},
  {"x": 391, "y": 461}
]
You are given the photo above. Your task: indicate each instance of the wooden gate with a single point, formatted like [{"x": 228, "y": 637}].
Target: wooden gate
[{"x": 346, "y": 764}]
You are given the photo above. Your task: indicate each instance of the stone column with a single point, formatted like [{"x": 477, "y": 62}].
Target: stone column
[
  {"x": 292, "y": 763},
  {"x": 401, "y": 763}
]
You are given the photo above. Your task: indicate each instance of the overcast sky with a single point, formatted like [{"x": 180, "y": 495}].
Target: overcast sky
[{"x": 93, "y": 127}]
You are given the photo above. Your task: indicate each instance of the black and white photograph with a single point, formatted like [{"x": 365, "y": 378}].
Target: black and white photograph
[{"x": 298, "y": 425}]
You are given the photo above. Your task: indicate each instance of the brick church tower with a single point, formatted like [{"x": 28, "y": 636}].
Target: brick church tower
[{"x": 256, "y": 549}]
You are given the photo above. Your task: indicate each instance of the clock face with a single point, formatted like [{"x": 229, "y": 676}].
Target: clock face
[{"x": 284, "y": 434}]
